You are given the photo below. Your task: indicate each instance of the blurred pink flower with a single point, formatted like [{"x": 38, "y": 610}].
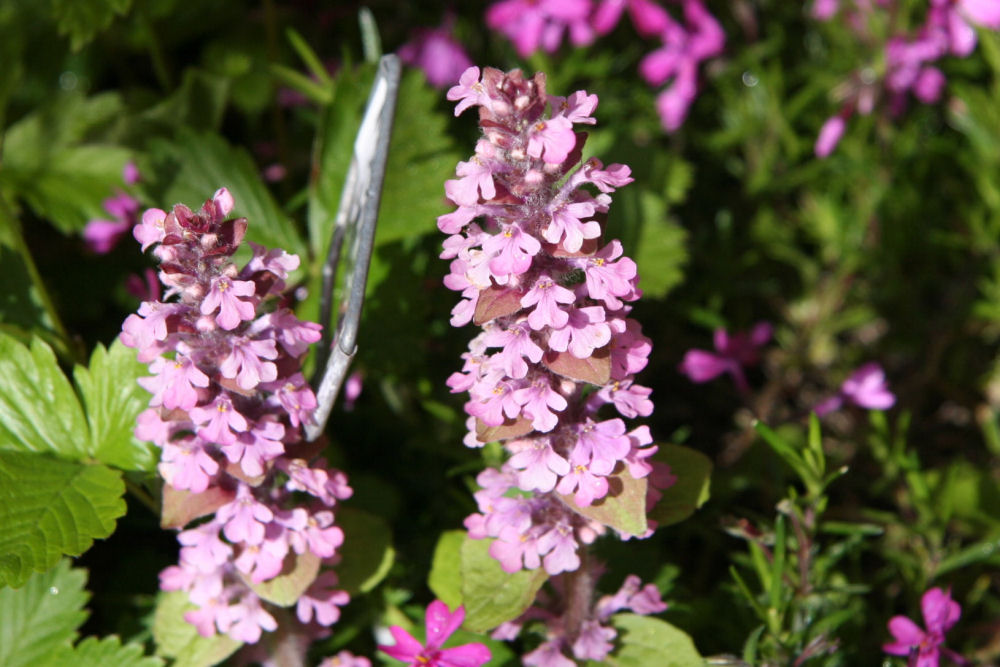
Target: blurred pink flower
[
  {"x": 731, "y": 354},
  {"x": 829, "y": 135},
  {"x": 437, "y": 53},
  {"x": 924, "y": 647},
  {"x": 531, "y": 24},
  {"x": 101, "y": 236},
  {"x": 866, "y": 388}
]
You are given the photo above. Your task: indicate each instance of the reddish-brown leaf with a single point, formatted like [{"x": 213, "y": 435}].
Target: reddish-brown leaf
[
  {"x": 181, "y": 507},
  {"x": 496, "y": 302},
  {"x": 512, "y": 428},
  {"x": 595, "y": 369}
]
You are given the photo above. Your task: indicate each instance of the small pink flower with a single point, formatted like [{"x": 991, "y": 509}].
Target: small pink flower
[
  {"x": 829, "y": 136},
  {"x": 732, "y": 353},
  {"x": 440, "y": 624},
  {"x": 866, "y": 388},
  {"x": 437, "y": 53},
  {"x": 940, "y": 613},
  {"x": 225, "y": 297}
]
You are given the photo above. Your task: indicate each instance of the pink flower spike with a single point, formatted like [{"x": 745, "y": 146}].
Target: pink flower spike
[{"x": 440, "y": 624}]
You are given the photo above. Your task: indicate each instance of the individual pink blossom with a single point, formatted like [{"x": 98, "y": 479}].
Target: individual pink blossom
[
  {"x": 352, "y": 389},
  {"x": 866, "y": 388},
  {"x": 649, "y": 18},
  {"x": 437, "y": 53},
  {"x": 345, "y": 659},
  {"x": 732, "y": 353},
  {"x": 225, "y": 297},
  {"x": 940, "y": 613},
  {"x": 440, "y": 624}
]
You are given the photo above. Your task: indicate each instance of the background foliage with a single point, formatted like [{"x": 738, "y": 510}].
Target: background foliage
[{"x": 888, "y": 250}]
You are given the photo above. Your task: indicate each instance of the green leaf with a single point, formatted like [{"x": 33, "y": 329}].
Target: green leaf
[
  {"x": 445, "y": 566},
  {"x": 624, "y": 508},
  {"x": 106, "y": 652},
  {"x": 422, "y": 156},
  {"x": 284, "y": 590},
  {"x": 176, "y": 638},
  {"x": 204, "y": 162},
  {"x": 691, "y": 490},
  {"x": 39, "y": 411},
  {"x": 113, "y": 399},
  {"x": 367, "y": 553},
  {"x": 54, "y": 163},
  {"x": 198, "y": 103},
  {"x": 648, "y": 641},
  {"x": 42, "y": 616},
  {"x": 83, "y": 19},
  {"x": 661, "y": 253},
  {"x": 50, "y": 508},
  {"x": 490, "y": 595}
]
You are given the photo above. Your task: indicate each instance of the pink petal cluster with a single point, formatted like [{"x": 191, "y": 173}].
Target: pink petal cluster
[
  {"x": 586, "y": 636},
  {"x": 534, "y": 24},
  {"x": 101, "y": 236},
  {"x": 866, "y": 388},
  {"x": 924, "y": 647},
  {"x": 228, "y": 401},
  {"x": 437, "y": 53},
  {"x": 732, "y": 353},
  {"x": 552, "y": 297},
  {"x": 683, "y": 49},
  {"x": 440, "y": 624},
  {"x": 949, "y": 28}
]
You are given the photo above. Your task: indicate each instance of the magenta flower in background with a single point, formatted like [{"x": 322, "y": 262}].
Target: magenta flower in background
[
  {"x": 649, "y": 18},
  {"x": 830, "y": 135},
  {"x": 866, "y": 388},
  {"x": 437, "y": 53},
  {"x": 731, "y": 354},
  {"x": 440, "y": 624},
  {"x": 534, "y": 24},
  {"x": 925, "y": 646},
  {"x": 101, "y": 236}
]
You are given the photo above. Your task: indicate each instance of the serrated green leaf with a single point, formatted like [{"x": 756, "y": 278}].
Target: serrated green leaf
[
  {"x": 83, "y": 19},
  {"x": 50, "y": 508},
  {"x": 41, "y": 617},
  {"x": 367, "y": 552},
  {"x": 176, "y": 638},
  {"x": 691, "y": 490},
  {"x": 490, "y": 595},
  {"x": 113, "y": 399},
  {"x": 624, "y": 508},
  {"x": 444, "y": 579},
  {"x": 645, "y": 641},
  {"x": 39, "y": 411},
  {"x": 105, "y": 652},
  {"x": 204, "y": 162}
]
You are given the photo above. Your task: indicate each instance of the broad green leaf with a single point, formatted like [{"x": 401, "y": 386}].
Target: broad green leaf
[
  {"x": 367, "y": 552},
  {"x": 106, "y": 652},
  {"x": 83, "y": 19},
  {"x": 50, "y": 508},
  {"x": 39, "y": 411},
  {"x": 691, "y": 490},
  {"x": 176, "y": 638},
  {"x": 205, "y": 162},
  {"x": 421, "y": 157},
  {"x": 645, "y": 641},
  {"x": 53, "y": 162},
  {"x": 661, "y": 253},
  {"x": 113, "y": 399},
  {"x": 624, "y": 508},
  {"x": 444, "y": 579},
  {"x": 284, "y": 590},
  {"x": 490, "y": 595},
  {"x": 42, "y": 616}
]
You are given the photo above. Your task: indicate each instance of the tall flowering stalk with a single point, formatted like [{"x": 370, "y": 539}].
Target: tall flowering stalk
[
  {"x": 228, "y": 404},
  {"x": 557, "y": 344}
]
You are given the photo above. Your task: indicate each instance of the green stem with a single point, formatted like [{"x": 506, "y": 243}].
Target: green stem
[
  {"x": 143, "y": 496},
  {"x": 155, "y": 49}
]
